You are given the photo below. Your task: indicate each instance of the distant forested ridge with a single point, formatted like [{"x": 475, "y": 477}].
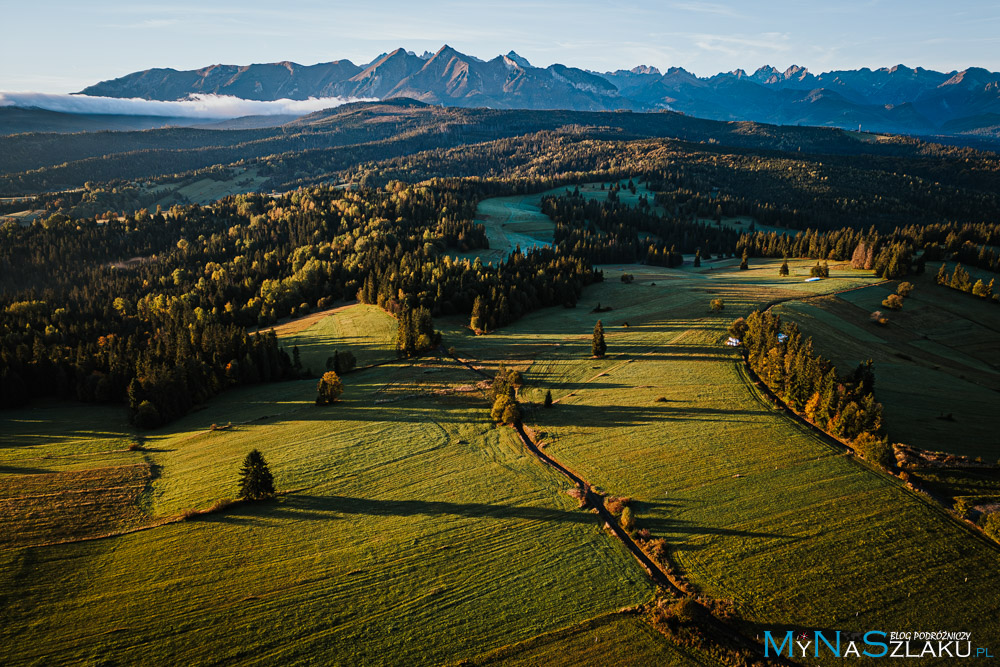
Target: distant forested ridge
[{"x": 113, "y": 296}]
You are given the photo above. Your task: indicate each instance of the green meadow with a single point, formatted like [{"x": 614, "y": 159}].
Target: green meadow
[{"x": 411, "y": 530}]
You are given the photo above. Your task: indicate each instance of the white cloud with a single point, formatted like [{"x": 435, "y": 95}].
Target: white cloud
[{"x": 196, "y": 106}]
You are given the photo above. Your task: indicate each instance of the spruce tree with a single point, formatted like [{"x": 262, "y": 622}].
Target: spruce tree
[
  {"x": 548, "y": 398},
  {"x": 256, "y": 481},
  {"x": 783, "y": 271},
  {"x": 744, "y": 265},
  {"x": 598, "y": 347}
]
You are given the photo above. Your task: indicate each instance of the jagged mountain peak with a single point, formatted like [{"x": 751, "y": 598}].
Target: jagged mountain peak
[
  {"x": 645, "y": 69},
  {"x": 520, "y": 61},
  {"x": 795, "y": 71},
  {"x": 895, "y": 98}
]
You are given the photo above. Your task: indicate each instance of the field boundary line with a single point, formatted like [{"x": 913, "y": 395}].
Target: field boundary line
[
  {"x": 761, "y": 391},
  {"x": 656, "y": 573}
]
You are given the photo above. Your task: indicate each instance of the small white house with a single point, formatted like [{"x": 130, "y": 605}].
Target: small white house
[{"x": 733, "y": 342}]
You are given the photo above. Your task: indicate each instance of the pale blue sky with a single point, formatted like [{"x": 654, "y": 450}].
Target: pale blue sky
[{"x": 62, "y": 46}]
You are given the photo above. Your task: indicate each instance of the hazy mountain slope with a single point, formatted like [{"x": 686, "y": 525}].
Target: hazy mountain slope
[{"x": 889, "y": 99}]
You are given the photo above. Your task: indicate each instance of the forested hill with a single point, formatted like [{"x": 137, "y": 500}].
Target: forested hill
[{"x": 362, "y": 132}]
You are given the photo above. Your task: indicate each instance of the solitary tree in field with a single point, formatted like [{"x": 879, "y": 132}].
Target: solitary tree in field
[
  {"x": 744, "y": 264},
  {"x": 256, "y": 481},
  {"x": 717, "y": 304},
  {"x": 548, "y": 399},
  {"x": 904, "y": 289},
  {"x": 330, "y": 388},
  {"x": 697, "y": 257},
  {"x": 783, "y": 271},
  {"x": 598, "y": 347}
]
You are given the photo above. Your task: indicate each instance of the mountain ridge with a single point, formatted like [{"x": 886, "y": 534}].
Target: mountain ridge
[{"x": 898, "y": 99}]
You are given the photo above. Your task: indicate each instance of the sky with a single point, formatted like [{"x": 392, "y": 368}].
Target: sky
[{"x": 60, "y": 46}]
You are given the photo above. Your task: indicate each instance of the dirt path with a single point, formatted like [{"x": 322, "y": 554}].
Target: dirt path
[{"x": 656, "y": 573}]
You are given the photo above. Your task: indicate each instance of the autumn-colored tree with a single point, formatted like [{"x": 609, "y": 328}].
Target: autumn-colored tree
[{"x": 329, "y": 389}]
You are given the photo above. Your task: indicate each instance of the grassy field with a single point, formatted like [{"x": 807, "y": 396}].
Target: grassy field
[
  {"x": 416, "y": 532},
  {"x": 936, "y": 369},
  {"x": 23, "y": 218},
  {"x": 612, "y": 640},
  {"x": 366, "y": 331},
  {"x": 207, "y": 190},
  {"x": 518, "y": 220},
  {"x": 756, "y": 509},
  {"x": 509, "y": 222}
]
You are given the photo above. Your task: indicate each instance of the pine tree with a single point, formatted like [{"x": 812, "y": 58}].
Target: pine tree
[
  {"x": 548, "y": 399},
  {"x": 598, "y": 347},
  {"x": 256, "y": 481},
  {"x": 744, "y": 265},
  {"x": 697, "y": 257},
  {"x": 783, "y": 271}
]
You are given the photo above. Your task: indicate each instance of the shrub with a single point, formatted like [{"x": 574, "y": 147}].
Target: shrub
[
  {"x": 904, "y": 289},
  {"x": 627, "y": 520},
  {"x": 628, "y": 278},
  {"x": 893, "y": 302},
  {"x": 687, "y": 610},
  {"x": 991, "y": 524},
  {"x": 717, "y": 305},
  {"x": 875, "y": 450},
  {"x": 617, "y": 505},
  {"x": 820, "y": 270},
  {"x": 147, "y": 416},
  {"x": 962, "y": 507},
  {"x": 878, "y": 318}
]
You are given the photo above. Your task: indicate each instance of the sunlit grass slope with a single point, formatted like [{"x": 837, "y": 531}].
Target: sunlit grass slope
[
  {"x": 756, "y": 508},
  {"x": 416, "y": 533}
]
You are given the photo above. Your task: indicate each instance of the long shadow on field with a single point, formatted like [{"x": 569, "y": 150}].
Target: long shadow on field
[
  {"x": 616, "y": 415},
  {"x": 573, "y": 353},
  {"x": 337, "y": 507},
  {"x": 18, "y": 470},
  {"x": 676, "y": 527}
]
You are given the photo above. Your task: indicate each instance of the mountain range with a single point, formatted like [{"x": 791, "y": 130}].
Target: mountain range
[{"x": 891, "y": 99}]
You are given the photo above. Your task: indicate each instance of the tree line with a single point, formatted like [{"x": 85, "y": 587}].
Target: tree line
[{"x": 843, "y": 405}]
